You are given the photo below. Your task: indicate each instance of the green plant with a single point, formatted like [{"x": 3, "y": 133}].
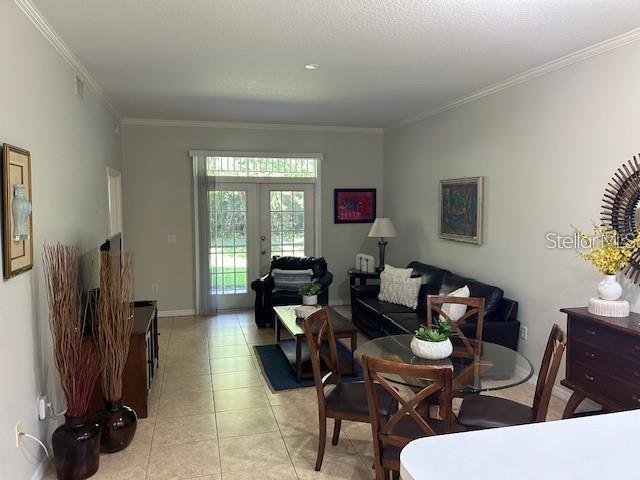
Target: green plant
[
  {"x": 309, "y": 289},
  {"x": 439, "y": 332}
]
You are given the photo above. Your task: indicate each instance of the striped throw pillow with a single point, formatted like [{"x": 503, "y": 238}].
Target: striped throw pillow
[{"x": 290, "y": 280}]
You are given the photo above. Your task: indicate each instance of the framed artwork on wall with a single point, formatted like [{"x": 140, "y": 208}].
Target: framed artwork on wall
[
  {"x": 17, "y": 227},
  {"x": 461, "y": 209},
  {"x": 354, "y": 205}
]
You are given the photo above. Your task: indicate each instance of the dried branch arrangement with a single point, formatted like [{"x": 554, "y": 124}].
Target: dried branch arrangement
[
  {"x": 115, "y": 320},
  {"x": 75, "y": 355}
]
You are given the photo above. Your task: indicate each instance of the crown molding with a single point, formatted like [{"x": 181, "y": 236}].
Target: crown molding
[
  {"x": 150, "y": 122},
  {"x": 552, "y": 66},
  {"x": 54, "y": 39}
]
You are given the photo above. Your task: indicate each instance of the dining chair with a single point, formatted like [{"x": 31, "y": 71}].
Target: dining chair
[
  {"x": 481, "y": 411},
  {"x": 410, "y": 421},
  {"x": 475, "y": 308},
  {"x": 342, "y": 401}
]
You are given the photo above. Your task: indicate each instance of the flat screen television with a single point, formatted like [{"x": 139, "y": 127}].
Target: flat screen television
[{"x": 90, "y": 276}]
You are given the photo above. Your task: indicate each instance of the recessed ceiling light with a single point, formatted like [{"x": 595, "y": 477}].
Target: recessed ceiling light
[{"x": 312, "y": 66}]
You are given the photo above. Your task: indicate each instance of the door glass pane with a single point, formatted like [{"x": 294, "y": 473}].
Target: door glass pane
[
  {"x": 287, "y": 222},
  {"x": 228, "y": 249}
]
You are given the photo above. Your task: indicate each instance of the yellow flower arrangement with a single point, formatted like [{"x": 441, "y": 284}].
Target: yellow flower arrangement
[{"x": 606, "y": 252}]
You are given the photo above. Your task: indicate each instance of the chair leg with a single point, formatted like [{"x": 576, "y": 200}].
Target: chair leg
[
  {"x": 395, "y": 474},
  {"x": 322, "y": 439},
  {"x": 336, "y": 431}
]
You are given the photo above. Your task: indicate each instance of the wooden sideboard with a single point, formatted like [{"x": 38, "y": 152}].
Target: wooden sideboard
[
  {"x": 603, "y": 360},
  {"x": 142, "y": 361}
]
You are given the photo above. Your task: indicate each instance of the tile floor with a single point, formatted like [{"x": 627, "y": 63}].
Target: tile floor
[{"x": 213, "y": 415}]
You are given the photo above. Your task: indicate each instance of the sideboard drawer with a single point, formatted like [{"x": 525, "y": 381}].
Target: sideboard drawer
[
  {"x": 606, "y": 338},
  {"x": 625, "y": 394},
  {"x": 602, "y": 360}
]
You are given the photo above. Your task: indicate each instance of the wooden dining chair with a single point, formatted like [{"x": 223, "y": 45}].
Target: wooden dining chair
[
  {"x": 410, "y": 421},
  {"x": 475, "y": 308},
  {"x": 336, "y": 399},
  {"x": 481, "y": 411}
]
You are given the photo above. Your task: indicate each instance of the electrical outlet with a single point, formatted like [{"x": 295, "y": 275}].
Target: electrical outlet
[
  {"x": 155, "y": 288},
  {"x": 523, "y": 332},
  {"x": 18, "y": 431}
]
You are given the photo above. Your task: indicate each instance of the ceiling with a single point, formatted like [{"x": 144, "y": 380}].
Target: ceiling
[{"x": 380, "y": 61}]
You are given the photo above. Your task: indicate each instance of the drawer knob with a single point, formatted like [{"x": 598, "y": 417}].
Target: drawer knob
[
  {"x": 590, "y": 332},
  {"x": 590, "y": 354},
  {"x": 636, "y": 373},
  {"x": 591, "y": 378},
  {"x": 636, "y": 398}
]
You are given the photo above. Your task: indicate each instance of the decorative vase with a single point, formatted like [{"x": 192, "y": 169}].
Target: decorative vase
[
  {"x": 118, "y": 424},
  {"x": 609, "y": 288},
  {"x": 20, "y": 210},
  {"x": 431, "y": 350},
  {"x": 76, "y": 448},
  {"x": 310, "y": 299}
]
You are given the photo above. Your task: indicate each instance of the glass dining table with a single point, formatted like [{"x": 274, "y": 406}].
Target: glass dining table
[{"x": 490, "y": 367}]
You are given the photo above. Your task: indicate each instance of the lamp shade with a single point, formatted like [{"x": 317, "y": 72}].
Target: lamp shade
[{"x": 383, "y": 227}]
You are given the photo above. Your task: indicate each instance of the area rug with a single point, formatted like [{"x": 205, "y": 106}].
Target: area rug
[{"x": 278, "y": 370}]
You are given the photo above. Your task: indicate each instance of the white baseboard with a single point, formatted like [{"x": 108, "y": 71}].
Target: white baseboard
[
  {"x": 176, "y": 313},
  {"x": 40, "y": 471}
]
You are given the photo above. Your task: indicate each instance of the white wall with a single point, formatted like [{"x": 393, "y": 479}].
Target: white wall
[
  {"x": 547, "y": 149},
  {"x": 158, "y": 198},
  {"x": 71, "y": 142}
]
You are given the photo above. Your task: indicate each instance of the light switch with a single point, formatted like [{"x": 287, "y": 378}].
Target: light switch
[{"x": 171, "y": 238}]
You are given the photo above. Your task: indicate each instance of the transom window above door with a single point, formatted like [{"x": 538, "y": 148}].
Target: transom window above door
[{"x": 262, "y": 167}]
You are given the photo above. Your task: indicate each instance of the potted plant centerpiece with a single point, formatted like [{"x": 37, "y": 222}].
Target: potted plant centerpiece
[
  {"x": 610, "y": 255},
  {"x": 433, "y": 343},
  {"x": 309, "y": 292}
]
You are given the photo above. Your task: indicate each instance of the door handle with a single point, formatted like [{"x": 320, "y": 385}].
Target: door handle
[{"x": 263, "y": 238}]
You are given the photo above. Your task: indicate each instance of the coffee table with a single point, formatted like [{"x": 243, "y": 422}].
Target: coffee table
[{"x": 298, "y": 352}]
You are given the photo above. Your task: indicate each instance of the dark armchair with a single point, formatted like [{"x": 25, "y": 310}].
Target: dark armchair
[{"x": 267, "y": 296}]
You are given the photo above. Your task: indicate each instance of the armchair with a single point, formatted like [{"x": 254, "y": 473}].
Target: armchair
[{"x": 268, "y": 296}]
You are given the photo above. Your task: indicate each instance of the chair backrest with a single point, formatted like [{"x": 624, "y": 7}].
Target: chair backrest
[
  {"x": 548, "y": 372},
  {"x": 323, "y": 350},
  {"x": 408, "y": 404},
  {"x": 475, "y": 307}
]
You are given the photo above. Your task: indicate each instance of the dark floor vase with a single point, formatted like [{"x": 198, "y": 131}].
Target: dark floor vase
[
  {"x": 118, "y": 423},
  {"x": 76, "y": 448}
]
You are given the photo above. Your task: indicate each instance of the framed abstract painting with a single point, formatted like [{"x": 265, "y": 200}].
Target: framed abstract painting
[
  {"x": 461, "y": 209},
  {"x": 354, "y": 205}
]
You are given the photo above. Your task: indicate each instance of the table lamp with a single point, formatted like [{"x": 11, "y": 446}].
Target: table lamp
[{"x": 382, "y": 228}]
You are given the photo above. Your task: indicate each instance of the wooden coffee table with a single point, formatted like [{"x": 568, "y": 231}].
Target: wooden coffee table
[{"x": 298, "y": 352}]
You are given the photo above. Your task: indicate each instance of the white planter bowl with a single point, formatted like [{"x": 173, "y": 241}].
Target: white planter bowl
[
  {"x": 609, "y": 288},
  {"x": 431, "y": 350},
  {"x": 310, "y": 299}
]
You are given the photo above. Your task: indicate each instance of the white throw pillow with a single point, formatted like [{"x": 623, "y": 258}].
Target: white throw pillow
[
  {"x": 402, "y": 291},
  {"x": 398, "y": 272},
  {"x": 455, "y": 310}
]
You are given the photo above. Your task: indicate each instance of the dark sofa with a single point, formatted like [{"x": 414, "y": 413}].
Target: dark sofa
[
  {"x": 377, "y": 318},
  {"x": 267, "y": 297}
]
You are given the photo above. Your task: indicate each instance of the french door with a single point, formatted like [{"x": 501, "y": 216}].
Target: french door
[
  {"x": 287, "y": 221},
  {"x": 250, "y": 223}
]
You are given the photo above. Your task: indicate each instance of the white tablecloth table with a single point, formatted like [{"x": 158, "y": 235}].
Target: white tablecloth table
[{"x": 596, "y": 447}]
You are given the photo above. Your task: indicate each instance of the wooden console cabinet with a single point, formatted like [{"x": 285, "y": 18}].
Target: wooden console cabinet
[
  {"x": 142, "y": 362},
  {"x": 603, "y": 360}
]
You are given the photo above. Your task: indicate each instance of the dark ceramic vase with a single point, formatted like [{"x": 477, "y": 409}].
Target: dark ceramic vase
[
  {"x": 118, "y": 424},
  {"x": 76, "y": 448}
]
